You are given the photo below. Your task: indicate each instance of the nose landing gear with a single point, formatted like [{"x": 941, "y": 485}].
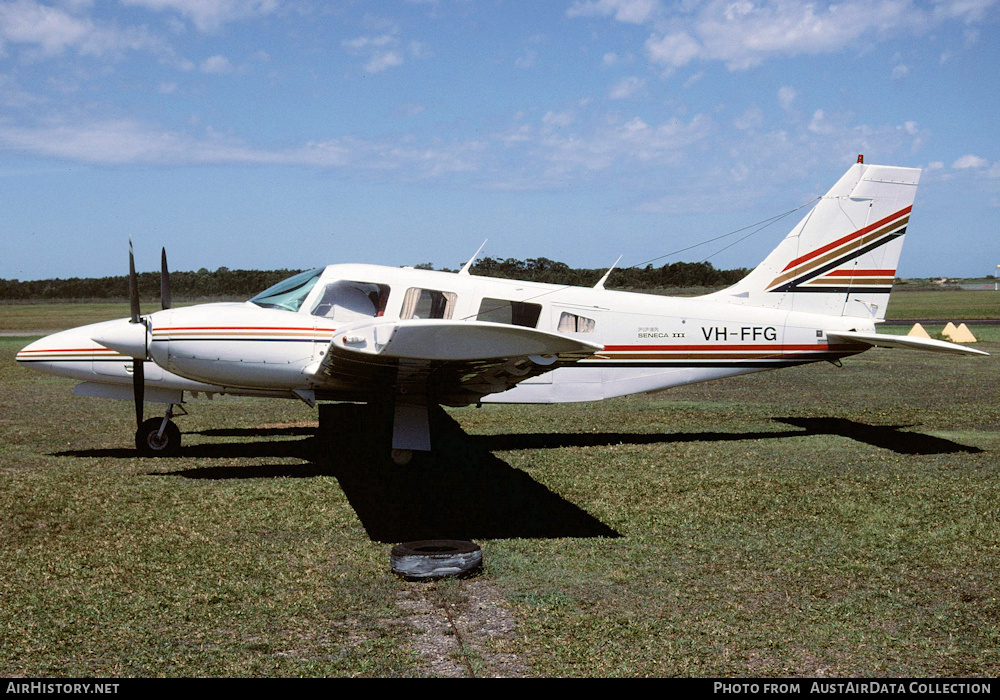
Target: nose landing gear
[{"x": 159, "y": 437}]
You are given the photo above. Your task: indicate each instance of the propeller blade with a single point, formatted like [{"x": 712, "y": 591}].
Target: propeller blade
[
  {"x": 164, "y": 280},
  {"x": 138, "y": 371},
  {"x": 138, "y": 389},
  {"x": 133, "y": 284}
]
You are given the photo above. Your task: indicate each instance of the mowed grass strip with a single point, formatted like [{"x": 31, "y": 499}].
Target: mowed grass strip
[
  {"x": 952, "y": 305},
  {"x": 813, "y": 521},
  {"x": 48, "y": 317}
]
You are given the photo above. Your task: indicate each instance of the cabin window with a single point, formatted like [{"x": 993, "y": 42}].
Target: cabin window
[
  {"x": 514, "y": 313},
  {"x": 290, "y": 293},
  {"x": 428, "y": 303},
  {"x": 571, "y": 323},
  {"x": 347, "y": 301}
]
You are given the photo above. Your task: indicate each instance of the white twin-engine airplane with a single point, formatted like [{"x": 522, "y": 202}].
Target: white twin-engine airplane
[{"x": 408, "y": 339}]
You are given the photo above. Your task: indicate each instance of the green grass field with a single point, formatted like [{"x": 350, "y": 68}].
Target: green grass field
[
  {"x": 816, "y": 521},
  {"x": 946, "y": 306}
]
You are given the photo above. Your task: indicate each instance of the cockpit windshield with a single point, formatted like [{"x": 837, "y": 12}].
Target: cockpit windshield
[{"x": 290, "y": 293}]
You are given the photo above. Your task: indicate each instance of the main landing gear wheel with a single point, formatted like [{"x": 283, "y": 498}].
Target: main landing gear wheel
[{"x": 151, "y": 443}]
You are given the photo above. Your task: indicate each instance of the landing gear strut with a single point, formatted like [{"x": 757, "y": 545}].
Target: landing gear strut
[{"x": 158, "y": 437}]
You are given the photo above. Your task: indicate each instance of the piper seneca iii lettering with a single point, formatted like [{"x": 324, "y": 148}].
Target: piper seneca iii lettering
[{"x": 409, "y": 339}]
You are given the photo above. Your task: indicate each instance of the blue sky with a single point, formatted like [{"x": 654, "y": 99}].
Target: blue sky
[{"x": 293, "y": 133}]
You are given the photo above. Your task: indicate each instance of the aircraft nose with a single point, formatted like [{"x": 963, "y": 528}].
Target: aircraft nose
[
  {"x": 125, "y": 337},
  {"x": 34, "y": 352},
  {"x": 66, "y": 353}
]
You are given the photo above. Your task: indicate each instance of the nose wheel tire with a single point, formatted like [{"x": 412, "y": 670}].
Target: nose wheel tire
[{"x": 151, "y": 443}]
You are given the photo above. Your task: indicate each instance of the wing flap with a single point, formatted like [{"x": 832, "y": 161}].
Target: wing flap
[{"x": 881, "y": 340}]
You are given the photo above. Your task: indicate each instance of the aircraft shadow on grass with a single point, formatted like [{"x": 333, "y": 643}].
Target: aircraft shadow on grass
[
  {"x": 464, "y": 491},
  {"x": 890, "y": 437}
]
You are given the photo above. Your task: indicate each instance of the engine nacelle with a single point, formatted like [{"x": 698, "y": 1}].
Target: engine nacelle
[{"x": 238, "y": 345}]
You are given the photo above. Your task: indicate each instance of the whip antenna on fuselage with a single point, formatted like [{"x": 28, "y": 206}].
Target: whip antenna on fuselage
[
  {"x": 468, "y": 265},
  {"x": 600, "y": 282}
]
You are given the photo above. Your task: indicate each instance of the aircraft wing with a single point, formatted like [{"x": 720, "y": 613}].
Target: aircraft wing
[
  {"x": 881, "y": 340},
  {"x": 450, "y": 362}
]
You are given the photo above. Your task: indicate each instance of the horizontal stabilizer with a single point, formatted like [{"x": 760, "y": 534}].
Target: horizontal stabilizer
[{"x": 880, "y": 340}]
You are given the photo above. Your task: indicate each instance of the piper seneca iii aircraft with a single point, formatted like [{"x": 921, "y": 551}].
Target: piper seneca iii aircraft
[{"x": 408, "y": 339}]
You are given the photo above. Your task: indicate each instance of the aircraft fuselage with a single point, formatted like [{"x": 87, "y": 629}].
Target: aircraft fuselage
[{"x": 649, "y": 341}]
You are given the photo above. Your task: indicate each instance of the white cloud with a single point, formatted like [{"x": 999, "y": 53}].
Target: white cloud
[
  {"x": 966, "y": 10},
  {"x": 786, "y": 96},
  {"x": 128, "y": 142},
  {"x": 629, "y": 11},
  {"x": 54, "y": 30},
  {"x": 820, "y": 124},
  {"x": 751, "y": 119},
  {"x": 917, "y": 136},
  {"x": 743, "y": 34},
  {"x": 50, "y": 28},
  {"x": 109, "y": 142},
  {"x": 384, "y": 51},
  {"x": 216, "y": 65},
  {"x": 526, "y": 59},
  {"x": 632, "y": 140},
  {"x": 209, "y": 15},
  {"x": 673, "y": 50},
  {"x": 558, "y": 119},
  {"x": 695, "y": 78},
  {"x": 383, "y": 60},
  {"x": 364, "y": 43},
  {"x": 969, "y": 161},
  {"x": 746, "y": 38},
  {"x": 626, "y": 88}
]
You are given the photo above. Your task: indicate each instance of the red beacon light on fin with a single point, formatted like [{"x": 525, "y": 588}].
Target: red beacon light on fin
[{"x": 861, "y": 158}]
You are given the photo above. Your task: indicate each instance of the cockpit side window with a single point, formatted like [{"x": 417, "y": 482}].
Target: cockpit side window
[
  {"x": 348, "y": 301},
  {"x": 427, "y": 303},
  {"x": 290, "y": 293}
]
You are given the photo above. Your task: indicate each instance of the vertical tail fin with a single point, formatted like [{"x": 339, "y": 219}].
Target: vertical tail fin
[{"x": 840, "y": 260}]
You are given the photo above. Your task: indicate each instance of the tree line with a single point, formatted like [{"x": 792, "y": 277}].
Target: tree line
[
  {"x": 243, "y": 284},
  {"x": 679, "y": 274},
  {"x": 221, "y": 283}
]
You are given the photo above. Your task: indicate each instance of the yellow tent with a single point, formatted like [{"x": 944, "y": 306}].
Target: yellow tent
[
  {"x": 918, "y": 331},
  {"x": 962, "y": 334}
]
